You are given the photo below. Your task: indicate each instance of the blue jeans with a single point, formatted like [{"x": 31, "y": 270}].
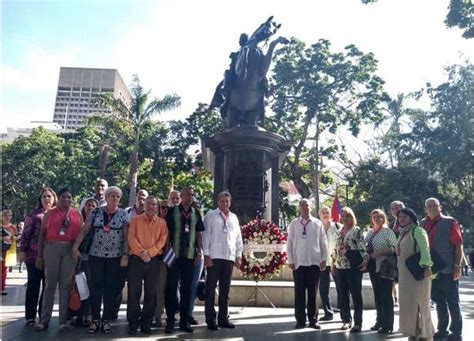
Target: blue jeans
[
  {"x": 194, "y": 283},
  {"x": 445, "y": 293}
]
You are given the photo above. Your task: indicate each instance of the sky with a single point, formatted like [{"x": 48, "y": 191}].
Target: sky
[{"x": 182, "y": 46}]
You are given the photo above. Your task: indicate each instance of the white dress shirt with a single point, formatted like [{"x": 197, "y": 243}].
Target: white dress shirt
[
  {"x": 306, "y": 249},
  {"x": 331, "y": 236},
  {"x": 222, "y": 238}
]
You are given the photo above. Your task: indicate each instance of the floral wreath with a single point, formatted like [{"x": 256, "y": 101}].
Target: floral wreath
[{"x": 262, "y": 238}]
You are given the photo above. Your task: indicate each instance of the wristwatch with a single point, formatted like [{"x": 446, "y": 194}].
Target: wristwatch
[{"x": 125, "y": 254}]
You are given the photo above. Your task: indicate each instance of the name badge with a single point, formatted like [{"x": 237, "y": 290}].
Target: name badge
[
  {"x": 186, "y": 228},
  {"x": 62, "y": 232}
]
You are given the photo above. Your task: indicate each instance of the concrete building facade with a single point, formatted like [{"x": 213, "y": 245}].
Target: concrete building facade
[{"x": 77, "y": 89}]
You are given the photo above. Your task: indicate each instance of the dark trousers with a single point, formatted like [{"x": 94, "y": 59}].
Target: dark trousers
[
  {"x": 181, "y": 272},
  {"x": 85, "y": 309},
  {"x": 140, "y": 273},
  {"x": 445, "y": 293},
  {"x": 324, "y": 285},
  {"x": 34, "y": 285},
  {"x": 105, "y": 285},
  {"x": 221, "y": 272},
  {"x": 121, "y": 285},
  {"x": 306, "y": 279},
  {"x": 350, "y": 281},
  {"x": 383, "y": 300}
]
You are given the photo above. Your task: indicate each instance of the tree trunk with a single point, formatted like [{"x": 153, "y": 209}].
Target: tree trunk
[
  {"x": 296, "y": 177},
  {"x": 315, "y": 170},
  {"x": 103, "y": 160},
  {"x": 133, "y": 176}
]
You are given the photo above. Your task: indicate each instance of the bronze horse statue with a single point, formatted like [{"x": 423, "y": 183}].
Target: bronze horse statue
[{"x": 241, "y": 95}]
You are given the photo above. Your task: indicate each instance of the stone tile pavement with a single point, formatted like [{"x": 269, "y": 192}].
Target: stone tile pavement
[{"x": 253, "y": 323}]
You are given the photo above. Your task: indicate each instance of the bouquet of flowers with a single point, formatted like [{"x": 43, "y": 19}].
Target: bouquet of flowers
[{"x": 264, "y": 252}]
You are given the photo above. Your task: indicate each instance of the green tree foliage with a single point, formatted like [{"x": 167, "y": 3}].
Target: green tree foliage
[
  {"x": 135, "y": 115},
  {"x": 434, "y": 153},
  {"x": 45, "y": 159},
  {"x": 317, "y": 90},
  {"x": 378, "y": 184},
  {"x": 460, "y": 14}
]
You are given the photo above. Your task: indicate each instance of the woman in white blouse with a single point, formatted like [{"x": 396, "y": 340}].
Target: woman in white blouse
[{"x": 349, "y": 249}]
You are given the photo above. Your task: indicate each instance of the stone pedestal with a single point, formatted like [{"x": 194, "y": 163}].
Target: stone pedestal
[{"x": 245, "y": 162}]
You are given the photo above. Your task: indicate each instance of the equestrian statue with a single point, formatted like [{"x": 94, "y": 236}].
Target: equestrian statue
[{"x": 241, "y": 95}]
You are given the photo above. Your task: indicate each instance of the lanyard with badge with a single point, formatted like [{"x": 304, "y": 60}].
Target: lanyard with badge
[
  {"x": 65, "y": 224},
  {"x": 107, "y": 226},
  {"x": 186, "y": 216},
  {"x": 225, "y": 217},
  {"x": 302, "y": 221}
]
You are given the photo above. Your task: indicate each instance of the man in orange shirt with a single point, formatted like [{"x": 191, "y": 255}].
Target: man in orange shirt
[{"x": 147, "y": 235}]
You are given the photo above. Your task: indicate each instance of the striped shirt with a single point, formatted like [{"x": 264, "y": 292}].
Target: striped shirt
[
  {"x": 182, "y": 230},
  {"x": 383, "y": 239}
]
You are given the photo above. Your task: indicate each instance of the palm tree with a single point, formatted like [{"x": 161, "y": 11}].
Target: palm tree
[{"x": 135, "y": 115}]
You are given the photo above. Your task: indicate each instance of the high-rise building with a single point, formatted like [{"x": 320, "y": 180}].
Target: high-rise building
[{"x": 77, "y": 89}]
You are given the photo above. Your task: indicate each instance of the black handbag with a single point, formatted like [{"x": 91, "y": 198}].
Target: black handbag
[
  {"x": 389, "y": 268},
  {"x": 86, "y": 243},
  {"x": 413, "y": 262},
  {"x": 5, "y": 246},
  {"x": 355, "y": 259},
  {"x": 201, "y": 287}
]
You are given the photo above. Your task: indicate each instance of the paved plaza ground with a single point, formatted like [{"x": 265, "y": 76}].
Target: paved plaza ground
[{"x": 252, "y": 323}]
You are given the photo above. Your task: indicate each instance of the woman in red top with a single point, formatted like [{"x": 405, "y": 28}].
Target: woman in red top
[{"x": 59, "y": 230}]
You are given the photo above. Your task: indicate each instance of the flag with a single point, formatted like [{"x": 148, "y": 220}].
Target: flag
[
  {"x": 336, "y": 208},
  {"x": 169, "y": 257}
]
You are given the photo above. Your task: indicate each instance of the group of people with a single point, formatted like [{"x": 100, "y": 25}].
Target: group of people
[
  {"x": 160, "y": 246},
  {"x": 155, "y": 246},
  {"x": 319, "y": 248}
]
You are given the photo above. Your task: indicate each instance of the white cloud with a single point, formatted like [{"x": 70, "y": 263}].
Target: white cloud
[
  {"x": 39, "y": 71},
  {"x": 29, "y": 87}
]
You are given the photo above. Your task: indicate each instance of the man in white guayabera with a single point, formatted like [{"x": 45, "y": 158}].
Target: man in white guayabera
[
  {"x": 307, "y": 254},
  {"x": 222, "y": 246}
]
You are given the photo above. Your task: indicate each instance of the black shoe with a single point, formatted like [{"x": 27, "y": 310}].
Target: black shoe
[
  {"x": 384, "y": 331},
  {"x": 452, "y": 337},
  {"x": 314, "y": 325},
  {"x": 193, "y": 321},
  {"x": 169, "y": 329},
  {"x": 300, "y": 326},
  {"x": 226, "y": 324},
  {"x": 327, "y": 318},
  {"x": 375, "y": 327},
  {"x": 106, "y": 327},
  {"x": 186, "y": 328},
  {"x": 145, "y": 329},
  {"x": 440, "y": 335},
  {"x": 212, "y": 326},
  {"x": 132, "y": 329},
  {"x": 356, "y": 329}
]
